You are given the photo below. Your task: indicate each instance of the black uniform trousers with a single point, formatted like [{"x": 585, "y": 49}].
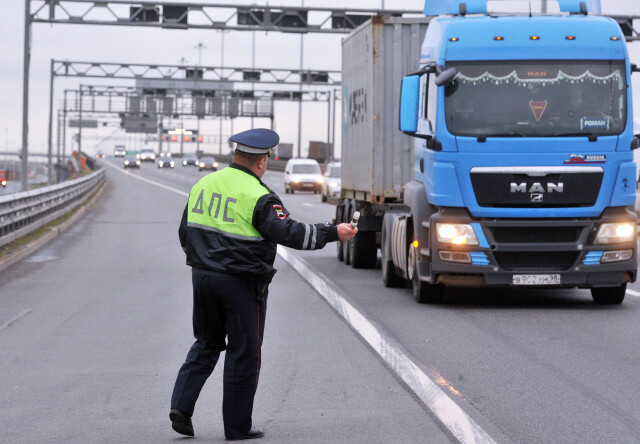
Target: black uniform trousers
[{"x": 224, "y": 307}]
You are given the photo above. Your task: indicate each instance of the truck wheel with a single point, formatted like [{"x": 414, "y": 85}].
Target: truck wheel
[
  {"x": 609, "y": 295},
  {"x": 390, "y": 278},
  {"x": 423, "y": 292},
  {"x": 324, "y": 197},
  {"x": 346, "y": 252},
  {"x": 339, "y": 216},
  {"x": 363, "y": 250}
]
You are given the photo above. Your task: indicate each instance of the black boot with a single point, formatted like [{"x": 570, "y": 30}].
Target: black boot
[
  {"x": 181, "y": 422},
  {"x": 251, "y": 434}
]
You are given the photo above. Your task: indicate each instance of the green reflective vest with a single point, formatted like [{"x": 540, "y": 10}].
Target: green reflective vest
[{"x": 224, "y": 202}]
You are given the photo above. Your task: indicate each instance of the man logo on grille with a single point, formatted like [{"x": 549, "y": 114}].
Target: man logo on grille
[{"x": 536, "y": 197}]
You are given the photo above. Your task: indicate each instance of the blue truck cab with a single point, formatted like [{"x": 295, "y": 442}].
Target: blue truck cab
[{"x": 524, "y": 172}]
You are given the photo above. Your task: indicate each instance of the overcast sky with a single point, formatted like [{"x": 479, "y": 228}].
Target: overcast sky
[{"x": 157, "y": 46}]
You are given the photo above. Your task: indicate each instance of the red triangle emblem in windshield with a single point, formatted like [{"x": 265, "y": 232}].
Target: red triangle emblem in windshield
[{"x": 538, "y": 107}]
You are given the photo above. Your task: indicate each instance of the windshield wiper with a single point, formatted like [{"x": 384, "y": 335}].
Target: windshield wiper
[
  {"x": 508, "y": 134},
  {"x": 592, "y": 137}
]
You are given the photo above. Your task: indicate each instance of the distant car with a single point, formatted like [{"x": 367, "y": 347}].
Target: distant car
[
  {"x": 165, "y": 154},
  {"x": 147, "y": 155},
  {"x": 120, "y": 151},
  {"x": 131, "y": 161},
  {"x": 302, "y": 174},
  {"x": 189, "y": 159},
  {"x": 208, "y": 163},
  {"x": 100, "y": 155},
  {"x": 166, "y": 162},
  {"x": 332, "y": 181}
]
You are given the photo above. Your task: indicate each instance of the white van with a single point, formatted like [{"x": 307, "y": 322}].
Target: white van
[{"x": 302, "y": 174}]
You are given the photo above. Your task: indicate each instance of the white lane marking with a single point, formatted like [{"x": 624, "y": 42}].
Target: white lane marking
[
  {"x": 633, "y": 293},
  {"x": 14, "y": 319},
  {"x": 306, "y": 204},
  {"x": 152, "y": 182},
  {"x": 463, "y": 428}
]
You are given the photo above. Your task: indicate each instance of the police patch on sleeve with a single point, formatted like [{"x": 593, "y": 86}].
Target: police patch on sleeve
[{"x": 279, "y": 212}]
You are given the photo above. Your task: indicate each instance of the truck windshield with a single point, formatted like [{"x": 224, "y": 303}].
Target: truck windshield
[{"x": 536, "y": 99}]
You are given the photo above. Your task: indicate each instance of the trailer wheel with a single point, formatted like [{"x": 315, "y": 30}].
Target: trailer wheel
[
  {"x": 363, "y": 250},
  {"x": 609, "y": 295},
  {"x": 339, "y": 220},
  {"x": 390, "y": 278},
  {"x": 346, "y": 252}
]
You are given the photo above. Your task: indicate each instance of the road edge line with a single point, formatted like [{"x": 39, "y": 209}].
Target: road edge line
[{"x": 450, "y": 414}]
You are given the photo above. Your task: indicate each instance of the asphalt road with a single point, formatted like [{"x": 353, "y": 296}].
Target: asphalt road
[{"x": 94, "y": 327}]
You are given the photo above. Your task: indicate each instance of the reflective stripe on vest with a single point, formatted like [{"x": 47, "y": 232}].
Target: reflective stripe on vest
[{"x": 224, "y": 202}]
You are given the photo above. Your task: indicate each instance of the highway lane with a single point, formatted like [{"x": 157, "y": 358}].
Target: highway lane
[
  {"x": 94, "y": 327},
  {"x": 529, "y": 366}
]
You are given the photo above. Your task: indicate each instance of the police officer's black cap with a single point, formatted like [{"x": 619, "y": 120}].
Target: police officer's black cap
[{"x": 256, "y": 141}]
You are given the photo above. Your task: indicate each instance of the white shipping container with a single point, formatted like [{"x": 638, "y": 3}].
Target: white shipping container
[{"x": 377, "y": 158}]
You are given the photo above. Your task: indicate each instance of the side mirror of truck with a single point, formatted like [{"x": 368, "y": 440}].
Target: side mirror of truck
[
  {"x": 446, "y": 76},
  {"x": 635, "y": 143},
  {"x": 634, "y": 68},
  {"x": 409, "y": 104}
]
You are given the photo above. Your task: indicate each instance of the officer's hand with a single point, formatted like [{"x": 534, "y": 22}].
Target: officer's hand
[{"x": 345, "y": 232}]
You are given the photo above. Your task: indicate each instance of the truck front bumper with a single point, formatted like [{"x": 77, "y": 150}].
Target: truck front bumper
[{"x": 530, "y": 252}]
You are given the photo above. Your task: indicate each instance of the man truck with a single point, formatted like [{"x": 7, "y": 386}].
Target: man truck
[{"x": 513, "y": 162}]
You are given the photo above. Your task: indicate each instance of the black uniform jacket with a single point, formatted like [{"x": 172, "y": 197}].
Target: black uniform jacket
[{"x": 215, "y": 253}]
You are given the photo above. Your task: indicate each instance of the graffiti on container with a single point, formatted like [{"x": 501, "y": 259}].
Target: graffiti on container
[{"x": 357, "y": 106}]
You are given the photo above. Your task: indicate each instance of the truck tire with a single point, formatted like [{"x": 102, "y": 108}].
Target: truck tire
[
  {"x": 324, "y": 197},
  {"x": 339, "y": 213},
  {"x": 346, "y": 251},
  {"x": 609, "y": 295},
  {"x": 390, "y": 278},
  {"x": 423, "y": 292},
  {"x": 363, "y": 250}
]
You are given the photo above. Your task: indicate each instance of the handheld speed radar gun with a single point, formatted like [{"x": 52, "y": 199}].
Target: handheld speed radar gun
[{"x": 354, "y": 219}]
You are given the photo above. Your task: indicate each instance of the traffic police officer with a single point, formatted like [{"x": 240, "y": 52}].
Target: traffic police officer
[{"x": 229, "y": 231}]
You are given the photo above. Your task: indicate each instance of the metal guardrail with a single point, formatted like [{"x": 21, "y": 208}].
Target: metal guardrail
[{"x": 21, "y": 213}]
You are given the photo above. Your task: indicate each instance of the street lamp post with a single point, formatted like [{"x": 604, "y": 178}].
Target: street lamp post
[
  {"x": 200, "y": 46},
  {"x": 25, "y": 96},
  {"x": 221, "y": 78}
]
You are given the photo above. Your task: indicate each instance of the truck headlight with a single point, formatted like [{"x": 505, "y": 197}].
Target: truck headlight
[
  {"x": 333, "y": 184},
  {"x": 320, "y": 180},
  {"x": 457, "y": 234},
  {"x": 616, "y": 233}
]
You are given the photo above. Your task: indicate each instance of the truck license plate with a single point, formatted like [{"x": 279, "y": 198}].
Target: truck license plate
[{"x": 536, "y": 279}]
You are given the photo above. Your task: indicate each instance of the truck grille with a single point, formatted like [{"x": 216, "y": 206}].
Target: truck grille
[
  {"x": 536, "y": 261},
  {"x": 536, "y": 187}
]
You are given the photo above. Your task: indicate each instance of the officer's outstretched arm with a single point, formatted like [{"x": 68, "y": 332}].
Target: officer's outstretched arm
[{"x": 274, "y": 223}]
